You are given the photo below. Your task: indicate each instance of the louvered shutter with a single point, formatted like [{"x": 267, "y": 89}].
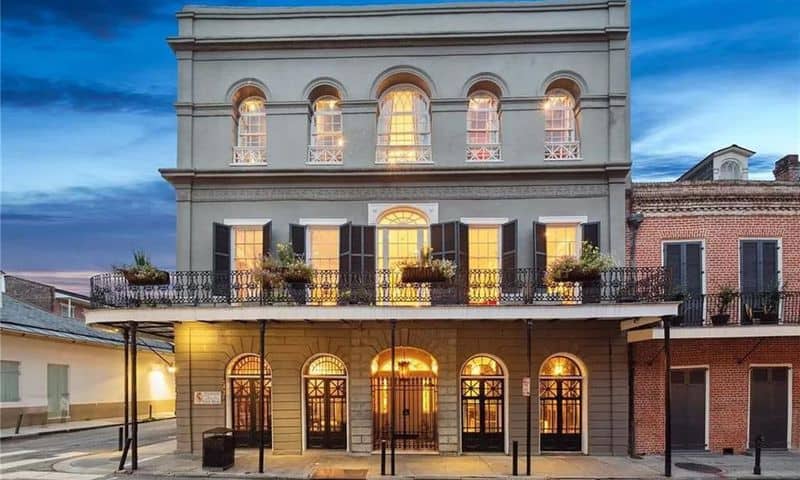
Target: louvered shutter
[
  {"x": 357, "y": 259},
  {"x": 539, "y": 251},
  {"x": 297, "y": 235},
  {"x": 591, "y": 233},
  {"x": 450, "y": 241},
  {"x": 749, "y": 271},
  {"x": 221, "y": 260},
  {"x": 508, "y": 254},
  {"x": 266, "y": 238}
]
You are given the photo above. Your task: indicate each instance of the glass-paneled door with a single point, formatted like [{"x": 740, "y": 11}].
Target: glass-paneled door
[
  {"x": 402, "y": 235},
  {"x": 57, "y": 391}
]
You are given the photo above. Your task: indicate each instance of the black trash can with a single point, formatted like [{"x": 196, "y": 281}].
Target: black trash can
[{"x": 218, "y": 448}]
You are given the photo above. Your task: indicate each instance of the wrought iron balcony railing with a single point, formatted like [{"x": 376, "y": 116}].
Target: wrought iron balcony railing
[
  {"x": 562, "y": 150},
  {"x": 249, "y": 155},
  {"x": 384, "y": 287},
  {"x": 759, "y": 308}
]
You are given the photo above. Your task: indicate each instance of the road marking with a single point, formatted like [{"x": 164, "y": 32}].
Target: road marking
[
  {"x": 33, "y": 475},
  {"x": 29, "y": 461},
  {"x": 17, "y": 452}
]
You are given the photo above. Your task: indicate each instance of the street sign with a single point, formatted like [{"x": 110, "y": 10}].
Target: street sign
[
  {"x": 208, "y": 398},
  {"x": 526, "y": 386}
]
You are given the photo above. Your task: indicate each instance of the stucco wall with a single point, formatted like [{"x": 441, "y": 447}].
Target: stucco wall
[
  {"x": 95, "y": 379},
  {"x": 203, "y": 352}
]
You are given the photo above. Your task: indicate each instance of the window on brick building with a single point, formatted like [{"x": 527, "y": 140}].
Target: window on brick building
[
  {"x": 759, "y": 265},
  {"x": 684, "y": 262}
]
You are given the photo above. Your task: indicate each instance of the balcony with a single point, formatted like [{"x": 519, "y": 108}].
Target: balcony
[
  {"x": 383, "y": 288},
  {"x": 318, "y": 155},
  {"x": 249, "y": 156},
  {"x": 562, "y": 151},
  {"x": 746, "y": 309},
  {"x": 403, "y": 154},
  {"x": 487, "y": 152}
]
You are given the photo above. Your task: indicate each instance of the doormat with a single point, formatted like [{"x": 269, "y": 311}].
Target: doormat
[
  {"x": 340, "y": 473},
  {"x": 698, "y": 467}
]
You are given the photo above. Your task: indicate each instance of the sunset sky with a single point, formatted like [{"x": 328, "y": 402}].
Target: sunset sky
[{"x": 87, "y": 117}]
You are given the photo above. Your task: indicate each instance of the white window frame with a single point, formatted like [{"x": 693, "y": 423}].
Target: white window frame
[
  {"x": 250, "y": 155},
  {"x": 421, "y": 149},
  {"x": 319, "y": 154},
  {"x": 377, "y": 210},
  {"x": 241, "y": 222},
  {"x": 569, "y": 149},
  {"x": 491, "y": 151},
  {"x": 703, "y": 275}
]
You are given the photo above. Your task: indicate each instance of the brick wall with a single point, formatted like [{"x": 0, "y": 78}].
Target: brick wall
[
  {"x": 728, "y": 386},
  {"x": 721, "y": 235},
  {"x": 32, "y": 293}
]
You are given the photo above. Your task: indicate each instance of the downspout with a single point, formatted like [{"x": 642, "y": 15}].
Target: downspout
[{"x": 634, "y": 221}]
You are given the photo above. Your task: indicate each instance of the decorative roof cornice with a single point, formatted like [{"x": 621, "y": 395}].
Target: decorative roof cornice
[{"x": 703, "y": 198}]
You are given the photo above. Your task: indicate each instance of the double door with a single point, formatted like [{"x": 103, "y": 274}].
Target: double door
[
  {"x": 560, "y": 414},
  {"x": 482, "y": 414},
  {"x": 245, "y": 393},
  {"x": 326, "y": 413}
]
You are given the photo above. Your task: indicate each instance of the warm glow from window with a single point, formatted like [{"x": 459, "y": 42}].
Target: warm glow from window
[
  {"x": 402, "y": 234},
  {"x": 248, "y": 247},
  {"x": 482, "y": 366},
  {"x": 484, "y": 263},
  {"x": 559, "y": 366},
  {"x": 403, "y": 124},
  {"x": 415, "y": 362},
  {"x": 327, "y": 124},
  {"x": 562, "y": 241},
  {"x": 159, "y": 385},
  {"x": 252, "y": 128},
  {"x": 483, "y": 123},
  {"x": 323, "y": 256}
]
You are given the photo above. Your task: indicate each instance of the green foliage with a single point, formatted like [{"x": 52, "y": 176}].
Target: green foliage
[
  {"x": 593, "y": 261},
  {"x": 561, "y": 269},
  {"x": 444, "y": 268},
  {"x": 726, "y": 296},
  {"x": 142, "y": 271},
  {"x": 287, "y": 267}
]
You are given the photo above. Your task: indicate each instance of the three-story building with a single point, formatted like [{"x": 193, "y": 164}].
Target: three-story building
[{"x": 495, "y": 136}]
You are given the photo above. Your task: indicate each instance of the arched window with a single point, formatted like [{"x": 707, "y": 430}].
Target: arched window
[
  {"x": 251, "y": 132},
  {"x": 482, "y": 366},
  {"x": 560, "y": 127},
  {"x": 247, "y": 365},
  {"x": 483, "y": 128},
  {"x": 326, "y": 132},
  {"x": 730, "y": 170},
  {"x": 326, "y": 366},
  {"x": 404, "y": 130},
  {"x": 561, "y": 405}
]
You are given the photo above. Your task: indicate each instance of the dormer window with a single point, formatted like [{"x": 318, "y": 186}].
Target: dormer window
[
  {"x": 251, "y": 132},
  {"x": 327, "y": 140},
  {"x": 730, "y": 170}
]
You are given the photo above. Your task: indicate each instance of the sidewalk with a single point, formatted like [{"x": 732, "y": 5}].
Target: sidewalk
[
  {"x": 76, "y": 426},
  {"x": 154, "y": 463}
]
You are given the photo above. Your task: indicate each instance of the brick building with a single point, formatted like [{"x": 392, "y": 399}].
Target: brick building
[
  {"x": 731, "y": 246},
  {"x": 47, "y": 297}
]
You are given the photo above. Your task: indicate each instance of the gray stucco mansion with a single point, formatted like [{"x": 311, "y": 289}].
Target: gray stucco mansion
[{"x": 495, "y": 136}]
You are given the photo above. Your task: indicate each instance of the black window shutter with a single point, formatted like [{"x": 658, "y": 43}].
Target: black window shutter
[
  {"x": 539, "y": 246},
  {"x": 673, "y": 260},
  {"x": 221, "y": 259},
  {"x": 769, "y": 269},
  {"x": 357, "y": 259},
  {"x": 344, "y": 249},
  {"x": 450, "y": 241},
  {"x": 591, "y": 233},
  {"x": 297, "y": 235},
  {"x": 508, "y": 253},
  {"x": 266, "y": 238},
  {"x": 749, "y": 265},
  {"x": 694, "y": 268}
]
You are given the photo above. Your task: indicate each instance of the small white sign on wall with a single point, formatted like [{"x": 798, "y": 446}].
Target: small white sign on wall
[
  {"x": 526, "y": 386},
  {"x": 208, "y": 398}
]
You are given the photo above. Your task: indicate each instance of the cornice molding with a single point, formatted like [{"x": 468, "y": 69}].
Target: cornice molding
[{"x": 390, "y": 193}]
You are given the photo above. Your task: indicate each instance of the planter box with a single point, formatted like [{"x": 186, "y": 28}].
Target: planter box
[
  {"x": 721, "y": 319},
  {"x": 422, "y": 275},
  {"x": 159, "y": 278}
]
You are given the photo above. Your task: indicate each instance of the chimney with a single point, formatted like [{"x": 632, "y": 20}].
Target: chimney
[{"x": 787, "y": 169}]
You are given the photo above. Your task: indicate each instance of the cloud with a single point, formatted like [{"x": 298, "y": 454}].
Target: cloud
[
  {"x": 100, "y": 18},
  {"x": 87, "y": 229},
  {"x": 24, "y": 91}
]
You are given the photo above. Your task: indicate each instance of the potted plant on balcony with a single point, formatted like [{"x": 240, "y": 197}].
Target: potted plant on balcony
[
  {"x": 770, "y": 306},
  {"x": 269, "y": 274},
  {"x": 355, "y": 297},
  {"x": 142, "y": 271},
  {"x": 592, "y": 264},
  {"x": 427, "y": 270},
  {"x": 296, "y": 273},
  {"x": 725, "y": 297},
  {"x": 678, "y": 294}
]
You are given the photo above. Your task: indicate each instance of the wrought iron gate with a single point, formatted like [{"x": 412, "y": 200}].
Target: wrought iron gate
[
  {"x": 326, "y": 413},
  {"x": 482, "y": 415},
  {"x": 245, "y": 411},
  {"x": 415, "y": 412}
]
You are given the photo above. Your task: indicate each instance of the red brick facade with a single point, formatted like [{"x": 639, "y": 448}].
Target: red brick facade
[
  {"x": 728, "y": 386},
  {"x": 719, "y": 214}
]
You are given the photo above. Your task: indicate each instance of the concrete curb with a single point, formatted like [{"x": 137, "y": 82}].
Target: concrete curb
[{"x": 21, "y": 436}]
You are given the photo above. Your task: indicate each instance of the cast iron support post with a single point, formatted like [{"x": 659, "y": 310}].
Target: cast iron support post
[
  {"x": 126, "y": 403},
  {"x": 667, "y": 402},
  {"x": 134, "y": 402},
  {"x": 392, "y": 395},
  {"x": 262, "y": 324},
  {"x": 528, "y": 401}
]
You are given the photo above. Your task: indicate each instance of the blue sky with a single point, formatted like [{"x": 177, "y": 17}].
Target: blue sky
[{"x": 87, "y": 91}]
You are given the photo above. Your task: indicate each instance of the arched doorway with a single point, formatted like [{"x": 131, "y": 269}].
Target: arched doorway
[
  {"x": 243, "y": 376},
  {"x": 415, "y": 399},
  {"x": 325, "y": 383},
  {"x": 482, "y": 405},
  {"x": 561, "y": 413}
]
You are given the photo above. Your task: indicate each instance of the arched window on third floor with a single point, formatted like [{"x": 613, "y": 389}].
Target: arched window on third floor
[
  {"x": 404, "y": 126},
  {"x": 251, "y": 132},
  {"x": 483, "y": 128},
  {"x": 561, "y": 140},
  {"x": 729, "y": 170},
  {"x": 326, "y": 132}
]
